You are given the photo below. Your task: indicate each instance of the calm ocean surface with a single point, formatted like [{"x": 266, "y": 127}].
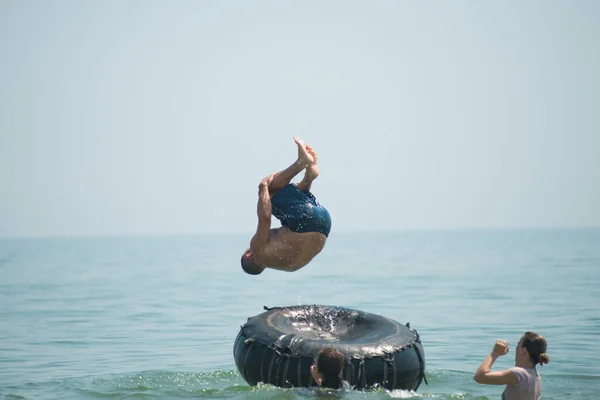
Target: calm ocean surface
[{"x": 156, "y": 317}]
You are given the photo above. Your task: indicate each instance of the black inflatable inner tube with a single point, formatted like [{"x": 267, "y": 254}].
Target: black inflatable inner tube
[{"x": 279, "y": 345}]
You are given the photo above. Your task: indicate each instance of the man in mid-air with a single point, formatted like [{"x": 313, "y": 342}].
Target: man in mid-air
[{"x": 305, "y": 223}]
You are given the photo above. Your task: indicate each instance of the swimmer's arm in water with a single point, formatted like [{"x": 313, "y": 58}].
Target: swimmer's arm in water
[{"x": 258, "y": 244}]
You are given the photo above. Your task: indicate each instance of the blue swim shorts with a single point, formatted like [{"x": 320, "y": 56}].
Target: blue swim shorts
[{"x": 300, "y": 211}]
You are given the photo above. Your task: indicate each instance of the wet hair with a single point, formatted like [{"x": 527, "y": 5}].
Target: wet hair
[
  {"x": 250, "y": 267},
  {"x": 536, "y": 347},
  {"x": 330, "y": 364}
]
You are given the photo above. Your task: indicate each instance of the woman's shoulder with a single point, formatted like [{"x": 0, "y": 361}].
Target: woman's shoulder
[{"x": 524, "y": 375}]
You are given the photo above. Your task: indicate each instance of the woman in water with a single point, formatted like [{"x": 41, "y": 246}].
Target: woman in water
[
  {"x": 327, "y": 368},
  {"x": 522, "y": 381}
]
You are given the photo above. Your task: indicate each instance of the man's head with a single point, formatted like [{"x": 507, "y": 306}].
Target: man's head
[{"x": 248, "y": 264}]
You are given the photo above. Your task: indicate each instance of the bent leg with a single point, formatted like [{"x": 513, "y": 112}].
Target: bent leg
[
  {"x": 283, "y": 178},
  {"x": 312, "y": 172}
]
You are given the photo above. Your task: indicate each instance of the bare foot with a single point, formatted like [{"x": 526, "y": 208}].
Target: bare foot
[{"x": 304, "y": 157}]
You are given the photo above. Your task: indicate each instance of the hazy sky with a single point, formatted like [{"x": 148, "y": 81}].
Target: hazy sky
[{"x": 151, "y": 117}]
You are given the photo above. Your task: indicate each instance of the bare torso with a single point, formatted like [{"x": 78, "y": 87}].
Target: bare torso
[{"x": 289, "y": 251}]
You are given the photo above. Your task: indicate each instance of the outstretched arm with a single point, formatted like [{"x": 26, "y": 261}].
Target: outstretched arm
[
  {"x": 258, "y": 244},
  {"x": 485, "y": 376}
]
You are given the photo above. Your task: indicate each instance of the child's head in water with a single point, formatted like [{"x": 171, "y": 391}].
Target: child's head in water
[{"x": 327, "y": 368}]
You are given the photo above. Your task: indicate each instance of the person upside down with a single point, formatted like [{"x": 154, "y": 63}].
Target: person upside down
[{"x": 305, "y": 223}]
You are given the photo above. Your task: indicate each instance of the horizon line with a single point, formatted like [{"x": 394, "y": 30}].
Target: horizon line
[{"x": 342, "y": 231}]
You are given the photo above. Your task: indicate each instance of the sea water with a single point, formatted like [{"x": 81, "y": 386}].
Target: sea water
[{"x": 156, "y": 317}]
